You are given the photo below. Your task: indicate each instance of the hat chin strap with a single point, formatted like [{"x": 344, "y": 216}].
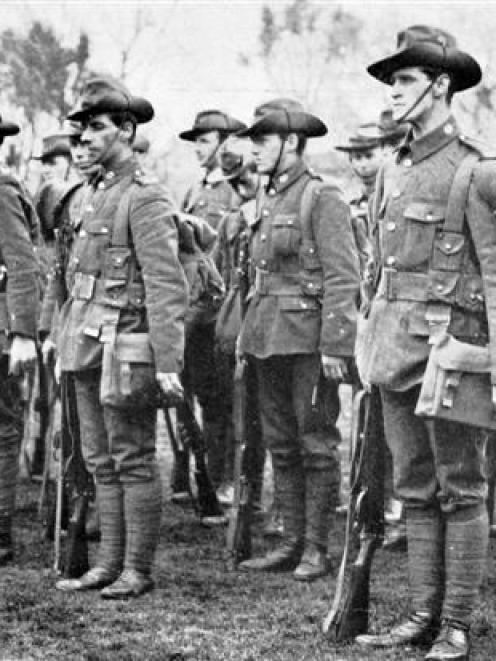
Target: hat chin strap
[
  {"x": 418, "y": 100},
  {"x": 277, "y": 163}
]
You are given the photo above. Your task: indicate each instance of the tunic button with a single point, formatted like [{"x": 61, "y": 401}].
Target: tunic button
[
  {"x": 396, "y": 194},
  {"x": 208, "y": 186},
  {"x": 303, "y": 304},
  {"x": 290, "y": 222},
  {"x": 265, "y": 212},
  {"x": 101, "y": 185},
  {"x": 429, "y": 216},
  {"x": 89, "y": 208},
  {"x": 263, "y": 263},
  {"x": 448, "y": 246},
  {"x": 391, "y": 226},
  {"x": 271, "y": 191},
  {"x": 439, "y": 287},
  {"x": 263, "y": 237},
  {"x": 391, "y": 261},
  {"x": 82, "y": 234},
  {"x": 407, "y": 162},
  {"x": 201, "y": 203}
]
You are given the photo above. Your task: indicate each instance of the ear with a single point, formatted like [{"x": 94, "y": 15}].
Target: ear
[
  {"x": 441, "y": 85},
  {"x": 126, "y": 132},
  {"x": 291, "y": 143}
]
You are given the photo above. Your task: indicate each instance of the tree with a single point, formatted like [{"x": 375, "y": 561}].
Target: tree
[
  {"x": 302, "y": 44},
  {"x": 40, "y": 74}
]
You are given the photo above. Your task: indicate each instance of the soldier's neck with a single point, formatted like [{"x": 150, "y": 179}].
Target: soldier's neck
[{"x": 428, "y": 122}]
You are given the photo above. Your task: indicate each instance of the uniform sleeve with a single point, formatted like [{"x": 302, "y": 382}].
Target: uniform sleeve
[
  {"x": 155, "y": 240},
  {"x": 481, "y": 206},
  {"x": 21, "y": 262},
  {"x": 340, "y": 264}
]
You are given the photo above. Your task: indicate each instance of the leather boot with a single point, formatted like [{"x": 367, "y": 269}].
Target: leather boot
[
  {"x": 452, "y": 644},
  {"x": 110, "y": 502},
  {"x": 418, "y": 629},
  {"x": 143, "y": 512},
  {"x": 321, "y": 498},
  {"x": 291, "y": 498}
]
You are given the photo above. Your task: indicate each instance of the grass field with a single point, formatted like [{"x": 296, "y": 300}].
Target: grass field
[{"x": 198, "y": 611}]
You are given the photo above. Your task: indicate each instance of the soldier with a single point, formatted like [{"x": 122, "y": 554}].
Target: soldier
[
  {"x": 19, "y": 300},
  {"x": 209, "y": 199},
  {"x": 367, "y": 149},
  {"x": 438, "y": 465},
  {"x": 299, "y": 329},
  {"x": 119, "y": 292},
  {"x": 141, "y": 147},
  {"x": 55, "y": 158}
]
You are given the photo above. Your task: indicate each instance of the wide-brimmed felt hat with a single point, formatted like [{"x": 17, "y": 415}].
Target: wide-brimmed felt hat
[
  {"x": 107, "y": 95},
  {"x": 8, "y": 128},
  {"x": 212, "y": 120},
  {"x": 284, "y": 116},
  {"x": 141, "y": 145},
  {"x": 54, "y": 145},
  {"x": 425, "y": 46},
  {"x": 71, "y": 129},
  {"x": 366, "y": 136},
  {"x": 391, "y": 129}
]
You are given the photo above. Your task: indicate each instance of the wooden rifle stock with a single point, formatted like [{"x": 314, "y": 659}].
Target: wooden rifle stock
[
  {"x": 238, "y": 539},
  {"x": 348, "y": 616}
]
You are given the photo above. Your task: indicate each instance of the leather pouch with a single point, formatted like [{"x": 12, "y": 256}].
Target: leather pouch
[
  {"x": 457, "y": 384},
  {"x": 128, "y": 373}
]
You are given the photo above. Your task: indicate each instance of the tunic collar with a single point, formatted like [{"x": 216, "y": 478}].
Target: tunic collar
[
  {"x": 426, "y": 145},
  {"x": 104, "y": 178},
  {"x": 285, "y": 179}
]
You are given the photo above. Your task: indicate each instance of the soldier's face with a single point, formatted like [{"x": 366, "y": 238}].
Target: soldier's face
[
  {"x": 365, "y": 164},
  {"x": 100, "y": 138},
  {"x": 206, "y": 146},
  {"x": 266, "y": 150},
  {"x": 54, "y": 168},
  {"x": 407, "y": 87}
]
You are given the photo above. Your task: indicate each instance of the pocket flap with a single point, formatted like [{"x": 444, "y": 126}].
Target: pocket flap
[
  {"x": 450, "y": 243},
  {"x": 134, "y": 348},
  {"x": 298, "y": 304},
  {"x": 451, "y": 354},
  {"x": 285, "y": 220},
  {"x": 425, "y": 212}
]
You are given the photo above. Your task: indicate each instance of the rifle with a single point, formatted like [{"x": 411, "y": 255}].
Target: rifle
[
  {"x": 48, "y": 428},
  {"x": 348, "y": 616},
  {"x": 191, "y": 435},
  {"x": 238, "y": 538},
  {"x": 75, "y": 485},
  {"x": 177, "y": 449}
]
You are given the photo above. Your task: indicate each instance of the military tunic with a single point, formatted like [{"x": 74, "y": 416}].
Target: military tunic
[
  {"x": 116, "y": 441},
  {"x": 409, "y": 211},
  {"x": 302, "y": 304},
  {"x": 19, "y": 304}
]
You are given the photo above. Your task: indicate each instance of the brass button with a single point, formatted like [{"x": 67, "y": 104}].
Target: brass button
[
  {"x": 407, "y": 162},
  {"x": 395, "y": 194},
  {"x": 391, "y": 261},
  {"x": 263, "y": 263},
  {"x": 439, "y": 287},
  {"x": 263, "y": 237},
  {"x": 391, "y": 226},
  {"x": 208, "y": 186},
  {"x": 82, "y": 233},
  {"x": 265, "y": 212},
  {"x": 448, "y": 129},
  {"x": 448, "y": 246},
  {"x": 290, "y": 222},
  {"x": 271, "y": 191},
  {"x": 101, "y": 185}
]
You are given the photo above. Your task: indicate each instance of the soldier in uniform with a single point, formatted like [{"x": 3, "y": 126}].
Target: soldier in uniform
[
  {"x": 299, "y": 329},
  {"x": 438, "y": 465},
  {"x": 210, "y": 199},
  {"x": 115, "y": 292},
  {"x": 19, "y": 301}
]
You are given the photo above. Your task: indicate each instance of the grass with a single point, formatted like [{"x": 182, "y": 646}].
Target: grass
[{"x": 198, "y": 611}]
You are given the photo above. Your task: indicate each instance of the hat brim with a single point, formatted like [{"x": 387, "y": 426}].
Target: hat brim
[
  {"x": 359, "y": 146},
  {"x": 285, "y": 122},
  {"x": 9, "y": 128},
  {"x": 137, "y": 106},
  {"x": 192, "y": 134},
  {"x": 463, "y": 68},
  {"x": 51, "y": 153}
]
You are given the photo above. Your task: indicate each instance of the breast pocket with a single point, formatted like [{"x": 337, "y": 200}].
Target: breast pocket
[
  {"x": 93, "y": 241},
  {"x": 422, "y": 220},
  {"x": 286, "y": 236}
]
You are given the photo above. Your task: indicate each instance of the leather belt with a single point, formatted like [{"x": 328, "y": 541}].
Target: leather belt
[
  {"x": 276, "y": 284},
  {"x": 404, "y": 286}
]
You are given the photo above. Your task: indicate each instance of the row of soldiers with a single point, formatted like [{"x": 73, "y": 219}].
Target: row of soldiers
[{"x": 415, "y": 269}]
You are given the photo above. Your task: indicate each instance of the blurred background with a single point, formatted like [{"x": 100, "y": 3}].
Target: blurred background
[{"x": 189, "y": 55}]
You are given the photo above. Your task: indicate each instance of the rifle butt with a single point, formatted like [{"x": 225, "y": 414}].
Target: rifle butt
[{"x": 76, "y": 553}]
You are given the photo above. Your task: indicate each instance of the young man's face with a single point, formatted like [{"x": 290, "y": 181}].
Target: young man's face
[
  {"x": 365, "y": 163},
  {"x": 407, "y": 86},
  {"x": 79, "y": 153},
  {"x": 266, "y": 150},
  {"x": 206, "y": 146},
  {"x": 100, "y": 139},
  {"x": 55, "y": 167}
]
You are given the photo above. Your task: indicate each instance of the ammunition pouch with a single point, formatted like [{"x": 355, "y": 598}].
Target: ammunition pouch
[
  {"x": 457, "y": 384},
  {"x": 128, "y": 373},
  {"x": 460, "y": 289},
  {"x": 275, "y": 283}
]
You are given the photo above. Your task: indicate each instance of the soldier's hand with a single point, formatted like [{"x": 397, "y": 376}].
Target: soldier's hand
[
  {"x": 334, "y": 368},
  {"x": 171, "y": 386},
  {"x": 48, "y": 350},
  {"x": 22, "y": 355}
]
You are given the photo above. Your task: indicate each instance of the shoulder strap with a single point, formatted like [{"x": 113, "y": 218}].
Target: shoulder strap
[
  {"x": 457, "y": 198},
  {"x": 306, "y": 205},
  {"x": 120, "y": 227}
]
